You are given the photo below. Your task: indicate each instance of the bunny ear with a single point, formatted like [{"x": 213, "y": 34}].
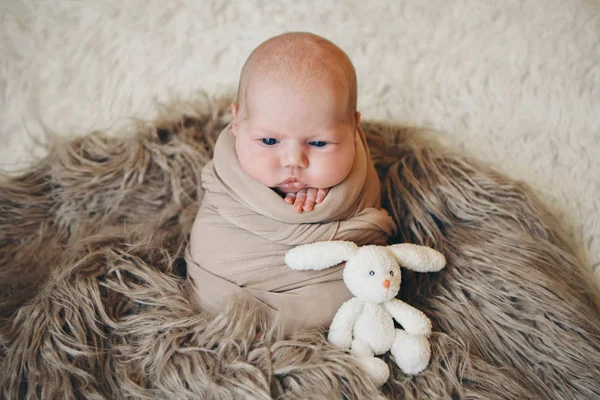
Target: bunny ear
[
  {"x": 418, "y": 258},
  {"x": 320, "y": 255}
]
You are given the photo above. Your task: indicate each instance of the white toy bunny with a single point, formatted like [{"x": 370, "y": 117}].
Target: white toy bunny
[{"x": 364, "y": 323}]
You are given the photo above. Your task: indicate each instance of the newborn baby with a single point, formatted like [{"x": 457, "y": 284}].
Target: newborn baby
[{"x": 292, "y": 168}]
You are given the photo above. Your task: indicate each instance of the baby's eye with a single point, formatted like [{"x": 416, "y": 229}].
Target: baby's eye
[
  {"x": 269, "y": 141},
  {"x": 371, "y": 273},
  {"x": 391, "y": 273},
  {"x": 318, "y": 143}
]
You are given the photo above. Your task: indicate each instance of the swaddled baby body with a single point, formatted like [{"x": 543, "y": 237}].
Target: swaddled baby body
[{"x": 292, "y": 168}]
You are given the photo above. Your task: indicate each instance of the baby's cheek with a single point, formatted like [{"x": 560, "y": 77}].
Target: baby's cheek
[
  {"x": 259, "y": 167},
  {"x": 332, "y": 171}
]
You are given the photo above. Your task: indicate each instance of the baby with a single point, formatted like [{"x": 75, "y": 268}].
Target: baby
[{"x": 292, "y": 168}]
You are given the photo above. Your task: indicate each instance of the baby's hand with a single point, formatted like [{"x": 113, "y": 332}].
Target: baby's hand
[{"x": 306, "y": 199}]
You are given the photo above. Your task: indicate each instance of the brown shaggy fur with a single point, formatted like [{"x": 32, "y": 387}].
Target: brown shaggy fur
[{"x": 93, "y": 300}]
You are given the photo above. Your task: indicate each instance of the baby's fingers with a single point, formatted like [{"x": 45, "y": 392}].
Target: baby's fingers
[
  {"x": 321, "y": 193},
  {"x": 290, "y": 198},
  {"x": 311, "y": 195},
  {"x": 299, "y": 202}
]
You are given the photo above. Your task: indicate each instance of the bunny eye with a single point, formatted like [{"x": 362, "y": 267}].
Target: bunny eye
[
  {"x": 371, "y": 273},
  {"x": 391, "y": 273}
]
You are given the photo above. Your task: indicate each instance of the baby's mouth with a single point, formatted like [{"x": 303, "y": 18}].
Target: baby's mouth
[
  {"x": 290, "y": 180},
  {"x": 292, "y": 184}
]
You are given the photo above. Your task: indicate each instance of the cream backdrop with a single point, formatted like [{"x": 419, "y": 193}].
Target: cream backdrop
[{"x": 513, "y": 83}]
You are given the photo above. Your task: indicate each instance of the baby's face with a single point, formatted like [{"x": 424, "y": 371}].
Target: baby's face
[{"x": 292, "y": 138}]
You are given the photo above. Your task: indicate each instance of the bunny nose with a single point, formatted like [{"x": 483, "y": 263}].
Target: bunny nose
[{"x": 386, "y": 284}]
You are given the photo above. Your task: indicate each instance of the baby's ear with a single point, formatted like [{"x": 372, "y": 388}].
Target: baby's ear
[
  {"x": 357, "y": 118},
  {"x": 356, "y": 126},
  {"x": 235, "y": 107}
]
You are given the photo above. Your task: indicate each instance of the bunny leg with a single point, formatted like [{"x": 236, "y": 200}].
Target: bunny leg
[
  {"x": 374, "y": 367},
  {"x": 411, "y": 352}
]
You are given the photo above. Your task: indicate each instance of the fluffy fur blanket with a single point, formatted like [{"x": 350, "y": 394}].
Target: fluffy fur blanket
[{"x": 94, "y": 302}]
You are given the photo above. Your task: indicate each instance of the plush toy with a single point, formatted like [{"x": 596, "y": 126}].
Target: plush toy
[{"x": 364, "y": 323}]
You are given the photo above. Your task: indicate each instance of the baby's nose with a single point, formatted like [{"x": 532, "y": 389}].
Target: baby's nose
[
  {"x": 296, "y": 157},
  {"x": 386, "y": 284}
]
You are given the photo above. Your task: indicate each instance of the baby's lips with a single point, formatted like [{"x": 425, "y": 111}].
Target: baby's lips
[{"x": 296, "y": 185}]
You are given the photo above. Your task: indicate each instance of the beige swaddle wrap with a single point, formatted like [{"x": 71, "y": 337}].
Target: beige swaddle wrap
[{"x": 243, "y": 230}]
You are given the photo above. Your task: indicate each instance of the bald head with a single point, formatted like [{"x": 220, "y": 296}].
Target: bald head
[{"x": 300, "y": 60}]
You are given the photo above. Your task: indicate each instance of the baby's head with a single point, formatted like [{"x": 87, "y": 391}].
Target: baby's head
[{"x": 295, "y": 120}]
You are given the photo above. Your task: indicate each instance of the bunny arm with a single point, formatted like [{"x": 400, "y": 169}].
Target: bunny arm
[
  {"x": 340, "y": 331},
  {"x": 412, "y": 320}
]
